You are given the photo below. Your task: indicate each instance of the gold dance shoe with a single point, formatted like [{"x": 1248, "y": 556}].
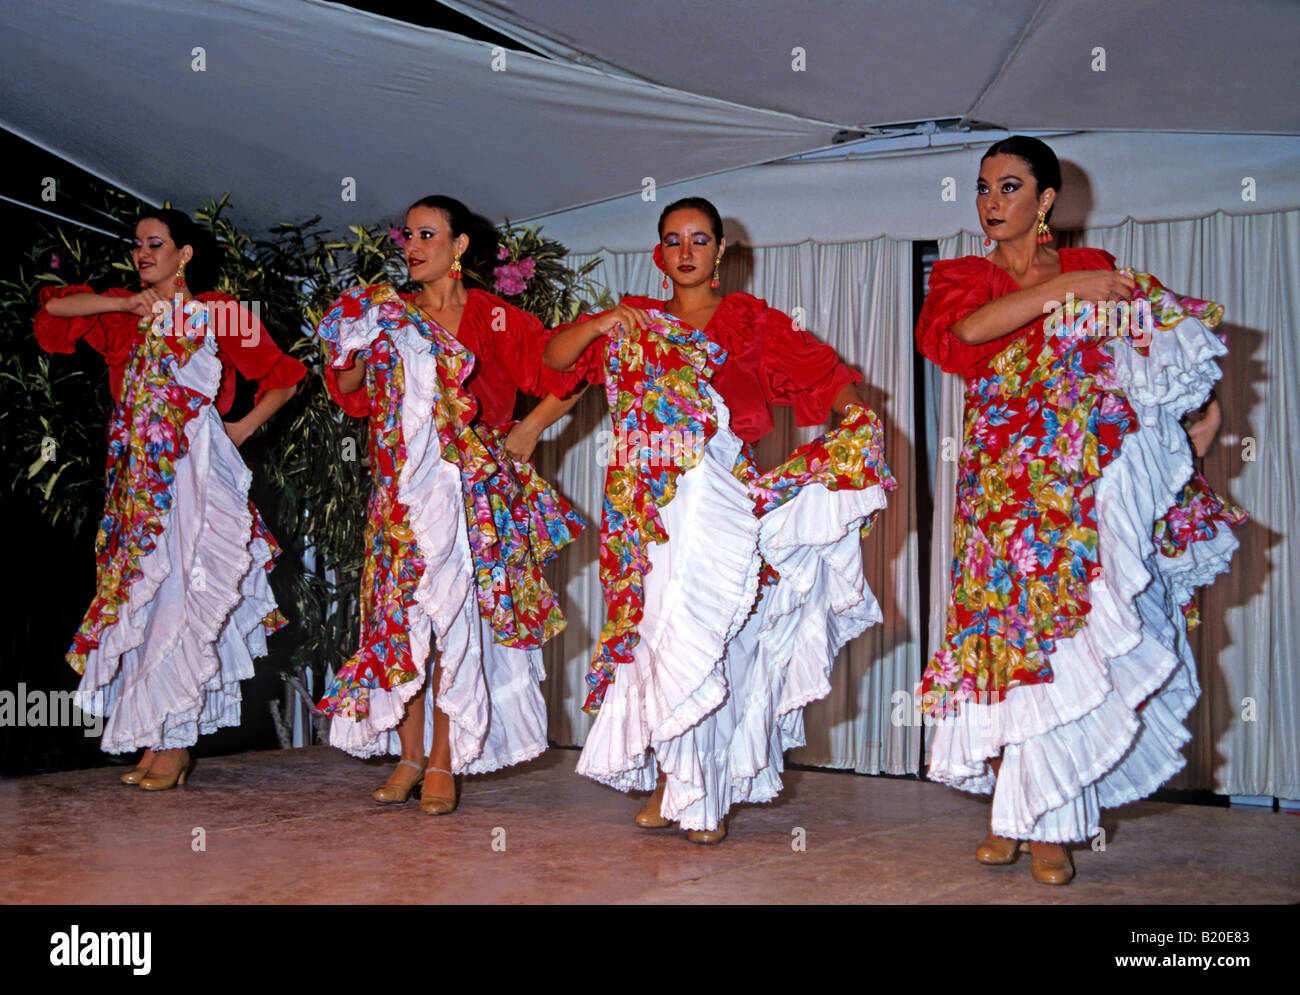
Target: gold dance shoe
[
  {"x": 438, "y": 804},
  {"x": 651, "y": 814},
  {"x": 708, "y": 837},
  {"x": 169, "y": 768},
  {"x": 999, "y": 850},
  {"x": 1048, "y": 871},
  {"x": 141, "y": 771},
  {"x": 397, "y": 794}
]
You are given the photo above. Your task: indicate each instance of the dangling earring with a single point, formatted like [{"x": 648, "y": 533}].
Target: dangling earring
[
  {"x": 987, "y": 241},
  {"x": 180, "y": 276},
  {"x": 658, "y": 256},
  {"x": 454, "y": 272},
  {"x": 1044, "y": 233},
  {"x": 715, "y": 283}
]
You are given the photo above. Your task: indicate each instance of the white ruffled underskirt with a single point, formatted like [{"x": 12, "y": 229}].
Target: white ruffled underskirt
[
  {"x": 716, "y": 688},
  {"x": 489, "y": 692},
  {"x": 169, "y": 670},
  {"x": 1108, "y": 730}
]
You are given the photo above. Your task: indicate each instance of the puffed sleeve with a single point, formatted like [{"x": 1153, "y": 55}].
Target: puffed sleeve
[
  {"x": 111, "y": 333},
  {"x": 245, "y": 342},
  {"x": 957, "y": 288},
  {"x": 799, "y": 370},
  {"x": 520, "y": 347}
]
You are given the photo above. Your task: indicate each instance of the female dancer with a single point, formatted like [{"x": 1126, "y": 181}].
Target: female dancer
[
  {"x": 1065, "y": 673},
  {"x": 708, "y": 656},
  {"x": 458, "y": 525},
  {"x": 182, "y": 604}
]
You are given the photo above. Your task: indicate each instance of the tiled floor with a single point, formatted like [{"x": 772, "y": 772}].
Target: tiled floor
[{"x": 298, "y": 826}]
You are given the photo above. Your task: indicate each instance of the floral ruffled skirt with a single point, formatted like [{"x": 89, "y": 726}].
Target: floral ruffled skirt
[{"x": 1080, "y": 534}]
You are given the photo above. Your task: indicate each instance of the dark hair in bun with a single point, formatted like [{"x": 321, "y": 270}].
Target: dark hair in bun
[
  {"x": 481, "y": 255},
  {"x": 204, "y": 267},
  {"x": 1043, "y": 165}
]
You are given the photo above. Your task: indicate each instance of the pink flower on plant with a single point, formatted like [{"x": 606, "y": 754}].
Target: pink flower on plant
[
  {"x": 512, "y": 278},
  {"x": 54, "y": 260},
  {"x": 396, "y": 235},
  {"x": 503, "y": 253}
]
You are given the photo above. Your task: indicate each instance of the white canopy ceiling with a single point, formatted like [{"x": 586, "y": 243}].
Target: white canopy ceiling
[
  {"x": 290, "y": 106},
  {"x": 1193, "y": 65},
  {"x": 294, "y": 97}
]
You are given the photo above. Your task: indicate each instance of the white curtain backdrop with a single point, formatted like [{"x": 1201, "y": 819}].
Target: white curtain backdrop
[
  {"x": 856, "y": 297},
  {"x": 1244, "y": 730}
]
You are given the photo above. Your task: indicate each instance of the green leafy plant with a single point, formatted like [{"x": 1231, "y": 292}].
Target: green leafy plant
[
  {"x": 533, "y": 276},
  {"x": 53, "y": 409}
]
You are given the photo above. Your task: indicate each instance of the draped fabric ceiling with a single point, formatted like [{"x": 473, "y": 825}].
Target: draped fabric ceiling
[{"x": 300, "y": 108}]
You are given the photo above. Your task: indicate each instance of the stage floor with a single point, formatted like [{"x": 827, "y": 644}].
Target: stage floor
[{"x": 298, "y": 826}]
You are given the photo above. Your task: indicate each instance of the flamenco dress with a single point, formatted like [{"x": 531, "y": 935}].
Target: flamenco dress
[
  {"x": 728, "y": 591},
  {"x": 1081, "y": 531},
  {"x": 182, "y": 605},
  {"x": 456, "y": 532}
]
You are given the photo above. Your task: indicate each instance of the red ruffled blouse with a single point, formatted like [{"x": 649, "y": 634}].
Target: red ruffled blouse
[
  {"x": 769, "y": 362},
  {"x": 507, "y": 345},
  {"x": 959, "y": 287},
  {"x": 249, "y": 349}
]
